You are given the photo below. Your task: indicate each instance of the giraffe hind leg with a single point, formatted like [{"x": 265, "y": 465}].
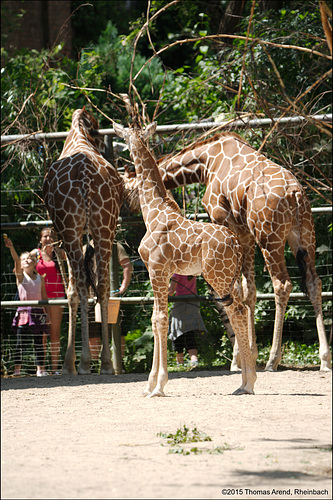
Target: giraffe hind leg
[
  {"x": 311, "y": 285},
  {"x": 237, "y": 315},
  {"x": 68, "y": 367}
]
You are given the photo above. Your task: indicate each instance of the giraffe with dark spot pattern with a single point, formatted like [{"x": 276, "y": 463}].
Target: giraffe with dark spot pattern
[{"x": 83, "y": 194}]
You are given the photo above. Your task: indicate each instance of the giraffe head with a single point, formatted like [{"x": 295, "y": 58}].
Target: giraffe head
[
  {"x": 133, "y": 134},
  {"x": 136, "y": 132}
]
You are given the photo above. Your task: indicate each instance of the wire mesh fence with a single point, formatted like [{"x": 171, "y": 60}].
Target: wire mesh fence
[
  {"x": 134, "y": 316},
  {"x": 26, "y": 203}
]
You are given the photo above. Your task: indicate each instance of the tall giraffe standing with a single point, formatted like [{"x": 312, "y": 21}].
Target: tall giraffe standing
[
  {"x": 173, "y": 244},
  {"x": 83, "y": 194},
  {"x": 262, "y": 203}
]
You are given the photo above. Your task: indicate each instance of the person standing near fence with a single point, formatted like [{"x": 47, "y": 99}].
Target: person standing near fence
[
  {"x": 185, "y": 319},
  {"x": 47, "y": 265},
  {"x": 31, "y": 286}
]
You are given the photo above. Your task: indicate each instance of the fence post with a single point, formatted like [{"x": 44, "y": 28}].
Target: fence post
[
  {"x": 114, "y": 279},
  {"x": 108, "y": 154},
  {"x": 115, "y": 328}
]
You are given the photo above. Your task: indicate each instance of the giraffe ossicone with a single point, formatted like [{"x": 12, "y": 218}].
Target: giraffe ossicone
[
  {"x": 83, "y": 194},
  {"x": 174, "y": 244}
]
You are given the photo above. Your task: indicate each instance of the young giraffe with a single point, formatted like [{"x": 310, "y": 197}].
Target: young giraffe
[
  {"x": 173, "y": 244},
  {"x": 83, "y": 194},
  {"x": 262, "y": 203}
]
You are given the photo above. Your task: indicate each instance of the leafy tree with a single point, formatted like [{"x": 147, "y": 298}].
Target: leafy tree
[{"x": 206, "y": 78}]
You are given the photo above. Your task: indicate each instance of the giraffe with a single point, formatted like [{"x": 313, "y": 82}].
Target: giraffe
[
  {"x": 262, "y": 203},
  {"x": 83, "y": 194},
  {"x": 173, "y": 244}
]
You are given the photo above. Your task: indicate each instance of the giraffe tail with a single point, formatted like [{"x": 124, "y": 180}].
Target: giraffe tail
[
  {"x": 301, "y": 252},
  {"x": 300, "y": 257},
  {"x": 227, "y": 300},
  {"x": 88, "y": 266}
]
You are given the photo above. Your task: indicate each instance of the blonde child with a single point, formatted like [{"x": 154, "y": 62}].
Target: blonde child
[{"x": 31, "y": 286}]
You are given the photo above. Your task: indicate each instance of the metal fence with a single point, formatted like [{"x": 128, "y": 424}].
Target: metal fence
[{"x": 136, "y": 305}]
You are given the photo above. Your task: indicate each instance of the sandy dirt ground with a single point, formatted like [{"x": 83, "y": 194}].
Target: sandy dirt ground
[{"x": 95, "y": 437}]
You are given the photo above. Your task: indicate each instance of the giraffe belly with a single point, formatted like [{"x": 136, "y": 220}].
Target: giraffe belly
[{"x": 192, "y": 269}]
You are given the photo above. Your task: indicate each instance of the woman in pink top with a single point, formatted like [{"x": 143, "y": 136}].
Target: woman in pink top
[
  {"x": 47, "y": 265},
  {"x": 31, "y": 286}
]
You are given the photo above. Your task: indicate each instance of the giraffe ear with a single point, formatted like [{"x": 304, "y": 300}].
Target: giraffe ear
[
  {"x": 119, "y": 129},
  {"x": 149, "y": 130}
]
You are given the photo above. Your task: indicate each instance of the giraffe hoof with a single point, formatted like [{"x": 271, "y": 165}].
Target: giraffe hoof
[
  {"x": 270, "y": 368},
  {"x": 241, "y": 391},
  {"x": 155, "y": 394},
  {"x": 82, "y": 371},
  {"x": 67, "y": 371},
  {"x": 325, "y": 368},
  {"x": 107, "y": 371}
]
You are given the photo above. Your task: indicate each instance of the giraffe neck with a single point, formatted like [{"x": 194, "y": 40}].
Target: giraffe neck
[
  {"x": 78, "y": 137},
  {"x": 199, "y": 162},
  {"x": 152, "y": 191},
  {"x": 184, "y": 168}
]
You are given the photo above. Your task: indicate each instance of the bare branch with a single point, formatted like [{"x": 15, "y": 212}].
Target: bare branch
[{"x": 236, "y": 37}]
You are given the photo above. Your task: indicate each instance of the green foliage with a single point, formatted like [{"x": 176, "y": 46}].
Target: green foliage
[
  {"x": 139, "y": 351},
  {"x": 179, "y": 440},
  {"x": 185, "y": 435},
  {"x": 300, "y": 354},
  {"x": 108, "y": 63},
  {"x": 293, "y": 354},
  {"x": 203, "y": 82},
  {"x": 91, "y": 19}
]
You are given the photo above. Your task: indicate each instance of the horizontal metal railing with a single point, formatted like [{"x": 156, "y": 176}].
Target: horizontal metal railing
[
  {"x": 165, "y": 129},
  {"x": 49, "y": 223},
  {"x": 148, "y": 300}
]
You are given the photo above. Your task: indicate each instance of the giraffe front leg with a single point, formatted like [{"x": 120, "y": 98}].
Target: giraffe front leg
[
  {"x": 238, "y": 318},
  {"x": 236, "y": 364},
  {"x": 159, "y": 373},
  {"x": 152, "y": 379},
  {"x": 162, "y": 376},
  {"x": 249, "y": 291}
]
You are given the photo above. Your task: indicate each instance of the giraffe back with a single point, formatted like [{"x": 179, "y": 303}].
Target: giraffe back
[
  {"x": 243, "y": 187},
  {"x": 82, "y": 191}
]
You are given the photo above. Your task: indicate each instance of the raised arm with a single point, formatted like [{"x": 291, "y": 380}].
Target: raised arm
[
  {"x": 127, "y": 274},
  {"x": 17, "y": 261}
]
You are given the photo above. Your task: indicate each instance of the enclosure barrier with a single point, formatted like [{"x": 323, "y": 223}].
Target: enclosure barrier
[
  {"x": 165, "y": 129},
  {"x": 49, "y": 223},
  {"x": 242, "y": 123},
  {"x": 134, "y": 300},
  {"x": 150, "y": 300}
]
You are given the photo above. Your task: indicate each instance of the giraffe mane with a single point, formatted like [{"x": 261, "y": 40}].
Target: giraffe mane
[
  {"x": 88, "y": 123},
  {"x": 173, "y": 204},
  {"x": 93, "y": 123}
]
